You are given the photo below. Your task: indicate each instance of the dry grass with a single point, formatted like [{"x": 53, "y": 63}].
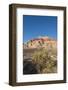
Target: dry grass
[{"x": 45, "y": 60}]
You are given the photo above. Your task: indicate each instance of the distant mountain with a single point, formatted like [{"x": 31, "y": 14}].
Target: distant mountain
[{"x": 45, "y": 42}]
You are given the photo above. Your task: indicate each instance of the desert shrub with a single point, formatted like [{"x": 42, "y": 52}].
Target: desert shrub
[{"x": 45, "y": 60}]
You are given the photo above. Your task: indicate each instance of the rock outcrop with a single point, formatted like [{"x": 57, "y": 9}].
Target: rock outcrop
[{"x": 44, "y": 42}]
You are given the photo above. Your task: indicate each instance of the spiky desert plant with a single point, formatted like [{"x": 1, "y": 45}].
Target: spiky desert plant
[{"x": 45, "y": 60}]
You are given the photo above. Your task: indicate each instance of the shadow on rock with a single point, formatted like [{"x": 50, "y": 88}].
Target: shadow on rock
[{"x": 29, "y": 68}]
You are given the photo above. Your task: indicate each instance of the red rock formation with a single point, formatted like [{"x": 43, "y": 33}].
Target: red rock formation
[{"x": 45, "y": 42}]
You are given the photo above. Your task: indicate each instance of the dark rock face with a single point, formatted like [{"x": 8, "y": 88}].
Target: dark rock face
[{"x": 29, "y": 68}]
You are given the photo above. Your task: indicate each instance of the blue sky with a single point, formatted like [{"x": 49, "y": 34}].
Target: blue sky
[{"x": 35, "y": 26}]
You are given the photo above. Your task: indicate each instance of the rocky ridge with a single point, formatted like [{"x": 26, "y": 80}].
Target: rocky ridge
[{"x": 39, "y": 42}]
